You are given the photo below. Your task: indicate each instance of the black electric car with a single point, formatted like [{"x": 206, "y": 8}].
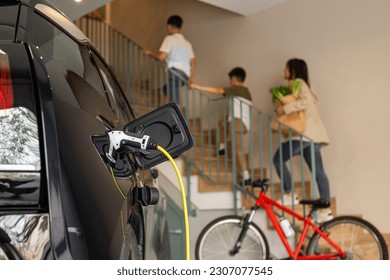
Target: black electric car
[{"x": 58, "y": 196}]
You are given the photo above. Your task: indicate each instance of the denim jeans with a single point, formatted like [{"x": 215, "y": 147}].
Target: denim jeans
[
  {"x": 283, "y": 154},
  {"x": 176, "y": 80}
]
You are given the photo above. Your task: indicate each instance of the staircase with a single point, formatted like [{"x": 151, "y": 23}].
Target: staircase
[{"x": 213, "y": 181}]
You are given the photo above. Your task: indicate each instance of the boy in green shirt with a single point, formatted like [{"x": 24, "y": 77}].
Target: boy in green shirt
[{"x": 241, "y": 115}]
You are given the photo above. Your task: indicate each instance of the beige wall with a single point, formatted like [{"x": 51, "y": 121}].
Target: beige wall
[{"x": 346, "y": 44}]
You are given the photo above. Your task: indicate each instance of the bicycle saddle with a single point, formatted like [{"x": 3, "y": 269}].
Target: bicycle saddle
[{"x": 316, "y": 203}]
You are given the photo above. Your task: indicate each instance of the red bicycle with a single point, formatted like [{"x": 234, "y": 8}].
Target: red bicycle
[{"x": 238, "y": 237}]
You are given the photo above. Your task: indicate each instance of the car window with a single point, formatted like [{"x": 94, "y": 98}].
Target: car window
[
  {"x": 84, "y": 77},
  {"x": 117, "y": 100},
  {"x": 72, "y": 73},
  {"x": 56, "y": 45}
]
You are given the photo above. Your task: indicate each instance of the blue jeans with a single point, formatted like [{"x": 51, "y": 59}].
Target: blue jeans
[
  {"x": 176, "y": 80},
  {"x": 283, "y": 154}
]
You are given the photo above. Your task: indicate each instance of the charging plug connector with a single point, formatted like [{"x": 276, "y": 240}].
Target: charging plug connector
[{"x": 120, "y": 140}]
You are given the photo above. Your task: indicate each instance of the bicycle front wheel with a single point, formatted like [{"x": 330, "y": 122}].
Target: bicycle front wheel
[
  {"x": 218, "y": 238},
  {"x": 359, "y": 239}
]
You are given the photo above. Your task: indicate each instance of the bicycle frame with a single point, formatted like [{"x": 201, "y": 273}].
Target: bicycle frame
[{"x": 266, "y": 202}]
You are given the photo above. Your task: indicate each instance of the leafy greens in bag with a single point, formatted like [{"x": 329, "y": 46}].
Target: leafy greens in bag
[{"x": 280, "y": 91}]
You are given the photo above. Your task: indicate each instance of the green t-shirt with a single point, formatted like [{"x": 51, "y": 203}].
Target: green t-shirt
[{"x": 239, "y": 91}]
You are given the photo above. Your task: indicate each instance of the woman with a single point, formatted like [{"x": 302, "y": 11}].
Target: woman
[{"x": 314, "y": 130}]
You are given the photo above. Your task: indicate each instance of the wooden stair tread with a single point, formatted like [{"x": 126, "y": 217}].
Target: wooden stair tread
[{"x": 206, "y": 186}]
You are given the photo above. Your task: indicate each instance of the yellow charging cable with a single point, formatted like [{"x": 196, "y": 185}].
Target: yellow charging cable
[
  {"x": 123, "y": 196},
  {"x": 116, "y": 183},
  {"x": 183, "y": 199}
]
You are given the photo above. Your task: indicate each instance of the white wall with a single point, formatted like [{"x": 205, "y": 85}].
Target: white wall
[{"x": 346, "y": 44}]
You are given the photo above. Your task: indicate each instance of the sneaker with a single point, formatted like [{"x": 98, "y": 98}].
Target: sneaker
[
  {"x": 324, "y": 215},
  {"x": 288, "y": 199}
]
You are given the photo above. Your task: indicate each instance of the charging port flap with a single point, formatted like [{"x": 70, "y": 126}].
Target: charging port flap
[{"x": 167, "y": 126}]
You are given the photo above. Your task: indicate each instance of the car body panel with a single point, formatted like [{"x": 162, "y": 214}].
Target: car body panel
[{"x": 72, "y": 84}]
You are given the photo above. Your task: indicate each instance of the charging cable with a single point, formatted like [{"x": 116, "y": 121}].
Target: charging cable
[
  {"x": 183, "y": 199},
  {"x": 119, "y": 140},
  {"x": 123, "y": 196}
]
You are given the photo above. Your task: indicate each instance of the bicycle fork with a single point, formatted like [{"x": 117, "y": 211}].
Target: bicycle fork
[{"x": 246, "y": 220}]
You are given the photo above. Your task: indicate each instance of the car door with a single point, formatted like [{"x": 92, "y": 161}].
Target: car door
[{"x": 90, "y": 200}]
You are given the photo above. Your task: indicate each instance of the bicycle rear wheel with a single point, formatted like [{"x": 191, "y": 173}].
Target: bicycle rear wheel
[
  {"x": 218, "y": 238},
  {"x": 359, "y": 239}
]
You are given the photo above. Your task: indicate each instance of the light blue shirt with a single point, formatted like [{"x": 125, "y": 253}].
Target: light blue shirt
[{"x": 179, "y": 52}]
